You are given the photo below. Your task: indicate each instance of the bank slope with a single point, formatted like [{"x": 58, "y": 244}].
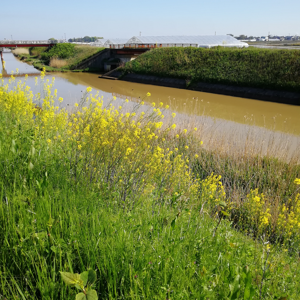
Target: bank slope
[{"x": 255, "y": 68}]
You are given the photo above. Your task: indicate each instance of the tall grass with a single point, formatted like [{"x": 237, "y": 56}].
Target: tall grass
[
  {"x": 57, "y": 63},
  {"x": 20, "y": 51},
  {"x": 63, "y": 56},
  {"x": 264, "y": 68},
  {"x": 118, "y": 192}
]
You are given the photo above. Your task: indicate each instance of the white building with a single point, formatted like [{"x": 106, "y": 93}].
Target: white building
[
  {"x": 184, "y": 41},
  {"x": 115, "y": 43}
]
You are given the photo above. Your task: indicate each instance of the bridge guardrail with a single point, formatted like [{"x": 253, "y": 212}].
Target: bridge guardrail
[{"x": 18, "y": 42}]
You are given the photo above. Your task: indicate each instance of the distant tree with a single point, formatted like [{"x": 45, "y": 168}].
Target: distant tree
[
  {"x": 53, "y": 39},
  {"x": 242, "y": 37},
  {"x": 86, "y": 39},
  {"x": 229, "y": 34}
]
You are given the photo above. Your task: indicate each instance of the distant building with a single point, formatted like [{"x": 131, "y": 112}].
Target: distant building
[
  {"x": 115, "y": 43},
  {"x": 184, "y": 41}
]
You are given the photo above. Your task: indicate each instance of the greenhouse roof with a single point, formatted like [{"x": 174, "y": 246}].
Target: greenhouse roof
[
  {"x": 200, "y": 40},
  {"x": 116, "y": 41}
]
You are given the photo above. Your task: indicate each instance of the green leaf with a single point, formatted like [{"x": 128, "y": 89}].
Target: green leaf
[
  {"x": 91, "y": 295},
  {"x": 71, "y": 279},
  {"x": 173, "y": 223},
  {"x": 80, "y": 296},
  {"x": 84, "y": 277},
  {"x": 92, "y": 277}
]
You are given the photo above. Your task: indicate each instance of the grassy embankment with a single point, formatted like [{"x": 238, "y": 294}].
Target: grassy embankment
[
  {"x": 132, "y": 198},
  {"x": 61, "y": 57},
  {"x": 253, "y": 67}
]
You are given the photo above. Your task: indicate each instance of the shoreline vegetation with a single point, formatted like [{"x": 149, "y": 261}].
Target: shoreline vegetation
[
  {"x": 60, "y": 58},
  {"x": 123, "y": 193},
  {"x": 252, "y": 72}
]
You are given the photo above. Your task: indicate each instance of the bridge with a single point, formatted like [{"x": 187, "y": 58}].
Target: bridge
[
  {"x": 18, "y": 43},
  {"x": 14, "y": 44}
]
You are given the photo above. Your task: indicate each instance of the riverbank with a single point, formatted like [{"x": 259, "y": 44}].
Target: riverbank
[
  {"x": 60, "y": 58},
  {"x": 270, "y": 75},
  {"x": 115, "y": 190}
]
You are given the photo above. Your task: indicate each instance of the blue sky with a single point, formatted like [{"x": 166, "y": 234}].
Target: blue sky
[{"x": 44, "y": 19}]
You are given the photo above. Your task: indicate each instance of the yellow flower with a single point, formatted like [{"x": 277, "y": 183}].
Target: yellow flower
[
  {"x": 297, "y": 181},
  {"x": 161, "y": 104},
  {"x": 60, "y": 99},
  {"x": 167, "y": 106},
  {"x": 49, "y": 141},
  {"x": 126, "y": 100},
  {"x": 173, "y": 115},
  {"x": 114, "y": 97},
  {"x": 184, "y": 130},
  {"x": 148, "y": 94},
  {"x": 142, "y": 103},
  {"x": 186, "y": 147},
  {"x": 201, "y": 143},
  {"x": 79, "y": 146},
  {"x": 88, "y": 89},
  {"x": 153, "y": 104},
  {"x": 177, "y": 135},
  {"x": 76, "y": 104},
  {"x": 196, "y": 156},
  {"x": 195, "y": 128},
  {"x": 173, "y": 126}
]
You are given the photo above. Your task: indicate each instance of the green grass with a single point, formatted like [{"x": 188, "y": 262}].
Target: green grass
[
  {"x": 253, "y": 67},
  {"x": 65, "y": 208},
  {"x": 73, "y": 55},
  {"x": 145, "y": 253}
]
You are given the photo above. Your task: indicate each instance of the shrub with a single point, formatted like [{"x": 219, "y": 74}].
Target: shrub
[{"x": 62, "y": 51}]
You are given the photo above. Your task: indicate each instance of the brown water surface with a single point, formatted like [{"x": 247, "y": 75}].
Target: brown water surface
[{"x": 223, "y": 119}]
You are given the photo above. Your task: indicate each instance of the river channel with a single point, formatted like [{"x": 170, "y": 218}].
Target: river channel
[{"x": 225, "y": 122}]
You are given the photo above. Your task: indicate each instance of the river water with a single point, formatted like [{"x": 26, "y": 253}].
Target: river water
[{"x": 226, "y": 123}]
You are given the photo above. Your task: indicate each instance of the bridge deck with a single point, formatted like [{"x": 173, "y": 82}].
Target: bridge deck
[
  {"x": 8, "y": 44},
  {"x": 24, "y": 45}
]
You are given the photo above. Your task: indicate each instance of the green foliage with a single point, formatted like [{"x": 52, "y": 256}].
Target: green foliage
[
  {"x": 37, "y": 51},
  {"x": 86, "y": 39},
  {"x": 275, "y": 69},
  {"x": 61, "y": 51},
  {"x": 83, "y": 282},
  {"x": 62, "y": 208}
]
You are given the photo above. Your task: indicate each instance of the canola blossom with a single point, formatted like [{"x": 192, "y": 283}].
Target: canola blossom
[{"x": 104, "y": 145}]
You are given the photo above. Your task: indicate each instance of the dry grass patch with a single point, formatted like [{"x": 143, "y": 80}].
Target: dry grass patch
[
  {"x": 20, "y": 51},
  {"x": 57, "y": 63}
]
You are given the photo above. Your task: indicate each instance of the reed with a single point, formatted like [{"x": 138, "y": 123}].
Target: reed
[
  {"x": 20, "y": 51},
  {"x": 57, "y": 63}
]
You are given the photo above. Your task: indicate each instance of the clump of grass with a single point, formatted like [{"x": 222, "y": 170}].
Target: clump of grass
[
  {"x": 20, "y": 51},
  {"x": 112, "y": 189},
  {"x": 37, "y": 51},
  {"x": 57, "y": 63}
]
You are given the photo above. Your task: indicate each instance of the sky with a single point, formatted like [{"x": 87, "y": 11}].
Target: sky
[{"x": 126, "y": 18}]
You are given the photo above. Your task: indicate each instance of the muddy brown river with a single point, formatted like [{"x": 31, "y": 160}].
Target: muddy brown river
[{"x": 225, "y": 122}]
